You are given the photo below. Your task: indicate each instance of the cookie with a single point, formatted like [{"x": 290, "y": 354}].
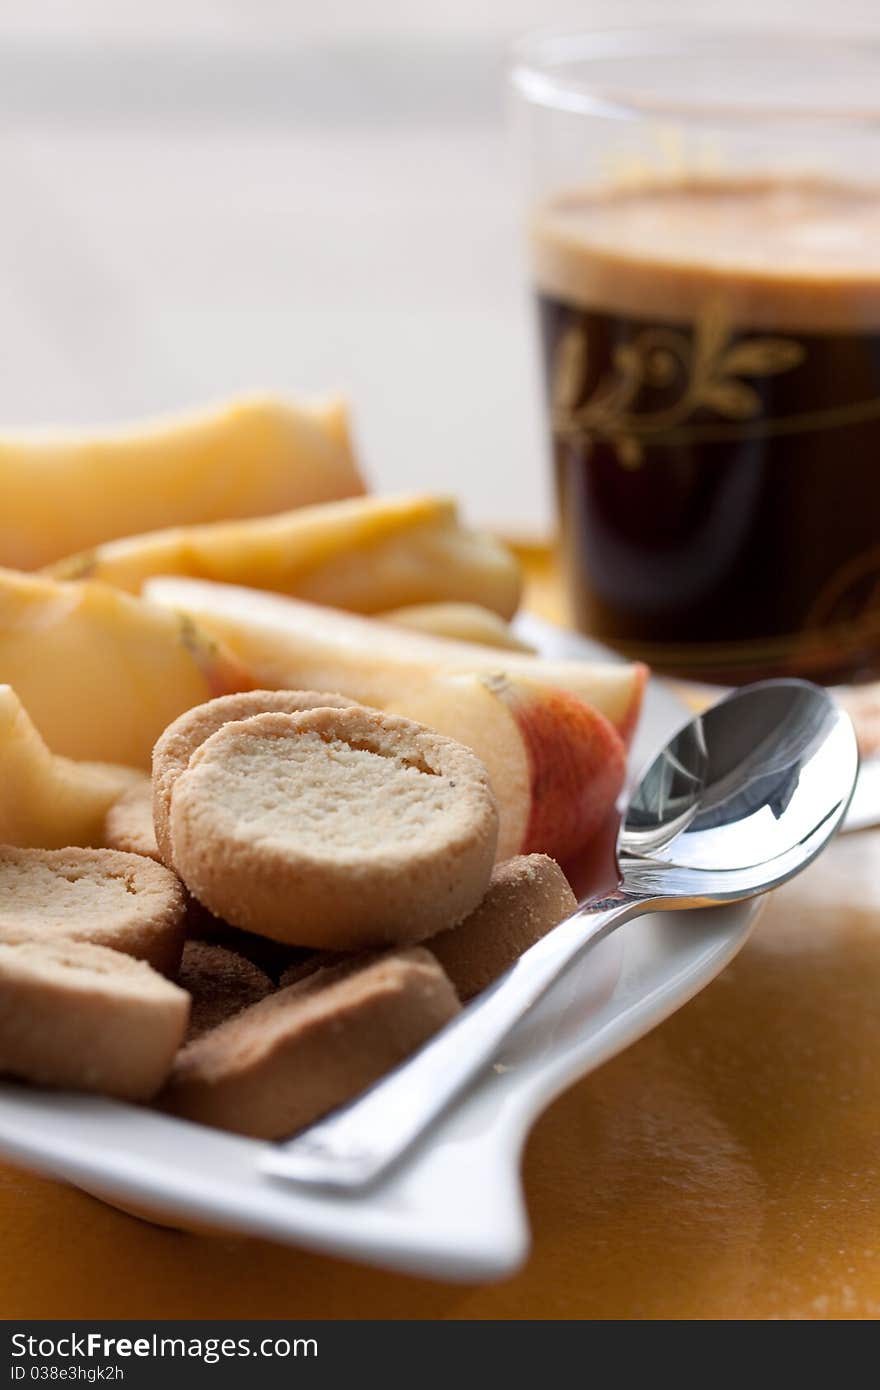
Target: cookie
[
  {"x": 87, "y": 1018},
  {"x": 128, "y": 824},
  {"x": 220, "y": 983},
  {"x": 177, "y": 744},
  {"x": 308, "y": 963},
  {"x": 335, "y": 828},
  {"x": 286, "y": 1061},
  {"x": 527, "y": 896},
  {"x": 101, "y": 896},
  {"x": 271, "y": 957}
]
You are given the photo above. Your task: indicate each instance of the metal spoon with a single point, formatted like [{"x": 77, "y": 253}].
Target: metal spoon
[{"x": 741, "y": 799}]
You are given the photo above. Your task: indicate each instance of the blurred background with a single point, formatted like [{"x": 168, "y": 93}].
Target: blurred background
[{"x": 201, "y": 198}]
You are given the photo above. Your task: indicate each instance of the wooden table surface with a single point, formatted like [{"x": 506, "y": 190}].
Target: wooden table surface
[{"x": 727, "y": 1166}]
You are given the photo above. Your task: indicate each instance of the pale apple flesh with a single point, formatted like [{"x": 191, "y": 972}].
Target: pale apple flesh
[
  {"x": 65, "y": 492},
  {"x": 50, "y": 802},
  {"x": 461, "y": 622},
  {"x": 286, "y": 643},
  {"x": 100, "y": 673},
  {"x": 364, "y": 554}
]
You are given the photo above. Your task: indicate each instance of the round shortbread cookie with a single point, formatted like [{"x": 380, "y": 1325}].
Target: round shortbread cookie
[
  {"x": 175, "y": 747},
  {"x": 84, "y": 1017},
  {"x": 336, "y": 828},
  {"x": 286, "y": 1061},
  {"x": 128, "y": 824},
  {"x": 528, "y": 895},
  {"x": 101, "y": 896},
  {"x": 221, "y": 983}
]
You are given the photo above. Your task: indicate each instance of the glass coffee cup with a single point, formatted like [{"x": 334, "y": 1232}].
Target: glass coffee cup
[{"x": 704, "y": 235}]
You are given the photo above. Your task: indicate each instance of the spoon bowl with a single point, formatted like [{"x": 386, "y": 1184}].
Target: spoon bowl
[{"x": 746, "y": 782}]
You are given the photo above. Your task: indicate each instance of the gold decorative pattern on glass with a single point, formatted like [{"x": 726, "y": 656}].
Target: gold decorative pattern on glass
[
  {"x": 711, "y": 371},
  {"x": 852, "y": 593}
]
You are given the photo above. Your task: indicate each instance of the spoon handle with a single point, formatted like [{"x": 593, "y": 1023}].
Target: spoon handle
[{"x": 356, "y": 1144}]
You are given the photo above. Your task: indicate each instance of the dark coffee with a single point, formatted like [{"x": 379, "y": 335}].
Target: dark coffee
[{"x": 713, "y": 367}]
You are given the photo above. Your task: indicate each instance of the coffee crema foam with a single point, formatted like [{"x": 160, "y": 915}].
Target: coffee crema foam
[{"x": 798, "y": 254}]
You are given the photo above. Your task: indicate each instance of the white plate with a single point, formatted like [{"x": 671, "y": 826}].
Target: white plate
[{"x": 455, "y": 1209}]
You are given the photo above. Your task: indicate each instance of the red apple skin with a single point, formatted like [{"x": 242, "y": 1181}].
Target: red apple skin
[
  {"x": 578, "y": 764},
  {"x": 594, "y": 871}
]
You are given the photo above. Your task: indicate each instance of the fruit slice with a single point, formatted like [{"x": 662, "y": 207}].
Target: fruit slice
[
  {"x": 286, "y": 643},
  {"x": 556, "y": 765},
  {"x": 462, "y": 622},
  {"x": 49, "y": 802},
  {"x": 65, "y": 492},
  {"x": 364, "y": 554},
  {"x": 100, "y": 673}
]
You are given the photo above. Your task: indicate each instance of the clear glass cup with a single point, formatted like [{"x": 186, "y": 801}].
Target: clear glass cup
[{"x": 704, "y": 234}]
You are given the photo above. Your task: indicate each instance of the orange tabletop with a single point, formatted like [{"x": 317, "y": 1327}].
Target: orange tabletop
[{"x": 725, "y": 1167}]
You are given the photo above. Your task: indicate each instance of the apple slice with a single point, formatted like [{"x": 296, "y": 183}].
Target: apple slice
[
  {"x": 363, "y": 554},
  {"x": 50, "y": 802},
  {"x": 555, "y": 763},
  {"x": 287, "y": 643},
  {"x": 65, "y": 491},
  {"x": 101, "y": 673},
  {"x": 460, "y": 622}
]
